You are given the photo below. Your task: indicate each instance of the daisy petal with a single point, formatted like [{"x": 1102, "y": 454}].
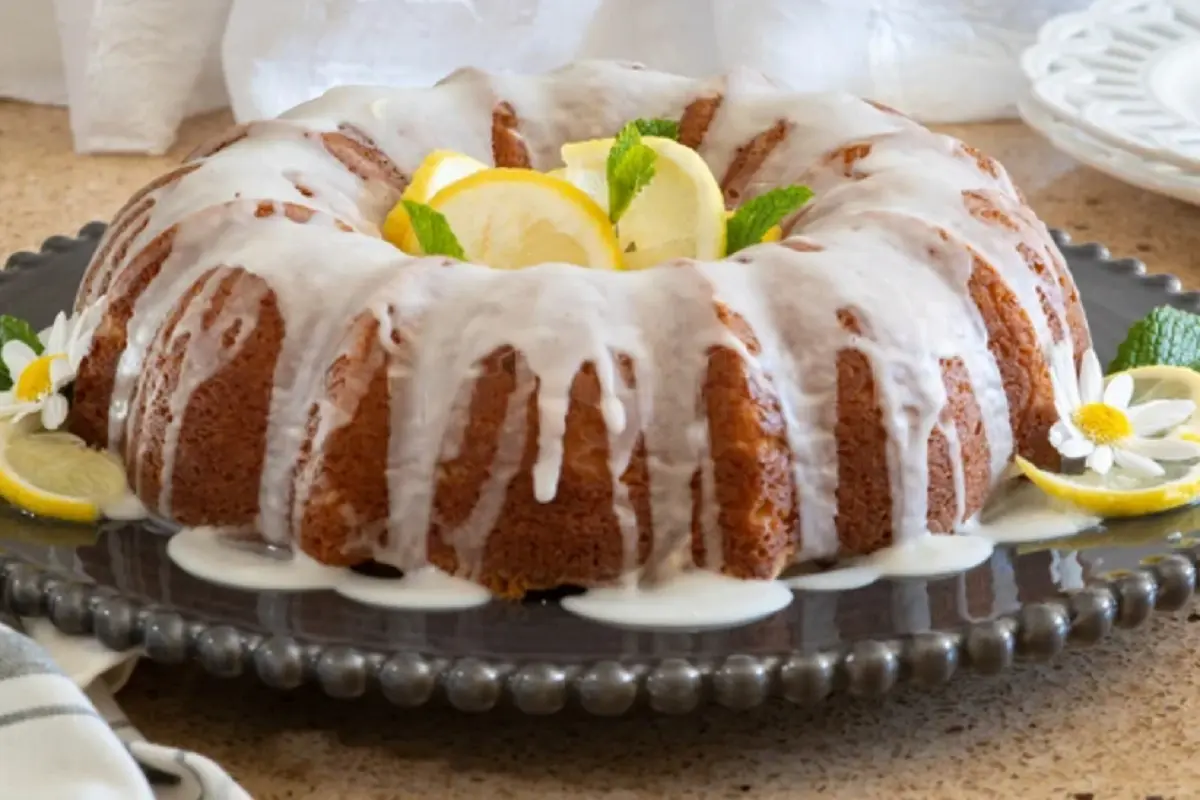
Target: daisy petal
[
  {"x": 1163, "y": 449},
  {"x": 17, "y": 356},
  {"x": 54, "y": 339},
  {"x": 1160, "y": 415},
  {"x": 1063, "y": 371},
  {"x": 1091, "y": 379},
  {"x": 76, "y": 352},
  {"x": 1063, "y": 399},
  {"x": 1071, "y": 429},
  {"x": 18, "y": 410},
  {"x": 60, "y": 373},
  {"x": 1076, "y": 448},
  {"x": 1139, "y": 464},
  {"x": 1059, "y": 433},
  {"x": 54, "y": 412},
  {"x": 1101, "y": 460},
  {"x": 1119, "y": 391}
]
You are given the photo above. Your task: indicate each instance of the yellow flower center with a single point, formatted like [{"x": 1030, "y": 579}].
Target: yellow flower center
[
  {"x": 34, "y": 382},
  {"x": 1102, "y": 424}
]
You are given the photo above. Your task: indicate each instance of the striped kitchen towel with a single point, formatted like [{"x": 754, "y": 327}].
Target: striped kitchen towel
[{"x": 63, "y": 737}]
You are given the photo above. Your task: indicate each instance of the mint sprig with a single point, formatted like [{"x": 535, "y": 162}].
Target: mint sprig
[
  {"x": 750, "y": 223},
  {"x": 1165, "y": 337},
  {"x": 666, "y": 128},
  {"x": 13, "y": 329},
  {"x": 629, "y": 169},
  {"x": 433, "y": 231}
]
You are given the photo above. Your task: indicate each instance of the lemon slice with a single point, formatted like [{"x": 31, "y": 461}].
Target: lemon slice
[
  {"x": 679, "y": 214},
  {"x": 513, "y": 218},
  {"x": 1119, "y": 494},
  {"x": 439, "y": 169},
  {"x": 56, "y": 475},
  {"x": 398, "y": 230}
]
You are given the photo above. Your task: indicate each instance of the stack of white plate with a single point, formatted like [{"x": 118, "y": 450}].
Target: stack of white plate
[{"x": 1118, "y": 87}]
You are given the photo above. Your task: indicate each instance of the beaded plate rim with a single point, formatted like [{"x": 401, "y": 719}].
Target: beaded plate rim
[{"x": 1039, "y": 631}]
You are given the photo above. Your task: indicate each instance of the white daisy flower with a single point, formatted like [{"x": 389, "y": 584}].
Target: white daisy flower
[
  {"x": 1096, "y": 422},
  {"x": 38, "y": 379}
]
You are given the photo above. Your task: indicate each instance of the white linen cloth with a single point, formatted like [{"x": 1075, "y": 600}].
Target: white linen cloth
[
  {"x": 130, "y": 70},
  {"x": 63, "y": 737}
]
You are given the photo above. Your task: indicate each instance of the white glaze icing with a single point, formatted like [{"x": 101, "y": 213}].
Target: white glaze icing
[
  {"x": 926, "y": 557},
  {"x": 896, "y": 249},
  {"x": 204, "y": 554},
  {"x": 691, "y": 600},
  {"x": 685, "y": 600},
  {"x": 126, "y": 508},
  {"x": 1018, "y": 513},
  {"x": 1022, "y": 513}
]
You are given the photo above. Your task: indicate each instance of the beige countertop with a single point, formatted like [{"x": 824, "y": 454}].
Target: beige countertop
[{"x": 1114, "y": 722}]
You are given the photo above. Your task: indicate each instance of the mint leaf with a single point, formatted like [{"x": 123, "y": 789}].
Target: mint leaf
[
  {"x": 666, "y": 128},
  {"x": 15, "y": 330},
  {"x": 750, "y": 223},
  {"x": 433, "y": 231},
  {"x": 1165, "y": 337},
  {"x": 630, "y": 168}
]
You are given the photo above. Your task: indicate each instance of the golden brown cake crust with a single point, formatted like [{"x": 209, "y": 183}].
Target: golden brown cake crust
[
  {"x": 217, "y": 465},
  {"x": 345, "y": 482}
]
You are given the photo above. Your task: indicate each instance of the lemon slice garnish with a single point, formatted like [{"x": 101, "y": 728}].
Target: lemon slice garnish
[
  {"x": 513, "y": 218},
  {"x": 56, "y": 475},
  {"x": 397, "y": 229},
  {"x": 439, "y": 169},
  {"x": 1119, "y": 493},
  {"x": 679, "y": 214}
]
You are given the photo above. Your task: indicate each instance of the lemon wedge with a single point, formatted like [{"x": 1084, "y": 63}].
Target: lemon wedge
[
  {"x": 1120, "y": 494},
  {"x": 56, "y": 475},
  {"x": 679, "y": 214},
  {"x": 438, "y": 170},
  {"x": 513, "y": 218}
]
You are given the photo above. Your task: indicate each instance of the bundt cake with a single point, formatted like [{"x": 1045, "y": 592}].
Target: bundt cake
[{"x": 267, "y": 363}]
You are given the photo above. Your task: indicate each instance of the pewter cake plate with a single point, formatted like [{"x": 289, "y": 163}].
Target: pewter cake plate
[{"x": 116, "y": 583}]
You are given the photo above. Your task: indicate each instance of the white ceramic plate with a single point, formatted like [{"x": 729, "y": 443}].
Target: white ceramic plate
[
  {"x": 1127, "y": 72},
  {"x": 1133, "y": 168}
]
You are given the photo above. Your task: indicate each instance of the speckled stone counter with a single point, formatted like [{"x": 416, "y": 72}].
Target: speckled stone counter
[{"x": 1110, "y": 723}]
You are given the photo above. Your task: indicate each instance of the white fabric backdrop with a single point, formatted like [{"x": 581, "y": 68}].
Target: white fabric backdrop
[{"x": 131, "y": 70}]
